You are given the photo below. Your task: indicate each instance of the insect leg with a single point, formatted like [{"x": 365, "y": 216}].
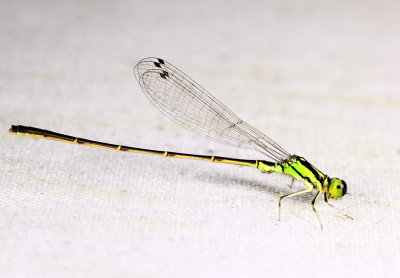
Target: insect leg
[
  {"x": 308, "y": 189},
  {"x": 336, "y": 209},
  {"x": 291, "y": 184},
  {"x": 312, "y": 205}
]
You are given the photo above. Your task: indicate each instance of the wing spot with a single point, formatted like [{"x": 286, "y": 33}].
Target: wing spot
[{"x": 164, "y": 74}]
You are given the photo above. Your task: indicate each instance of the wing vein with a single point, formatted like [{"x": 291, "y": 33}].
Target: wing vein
[{"x": 187, "y": 103}]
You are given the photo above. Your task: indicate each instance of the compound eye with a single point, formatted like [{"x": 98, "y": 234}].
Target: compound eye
[{"x": 338, "y": 188}]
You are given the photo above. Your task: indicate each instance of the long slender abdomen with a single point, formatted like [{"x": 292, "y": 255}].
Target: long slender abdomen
[{"x": 268, "y": 167}]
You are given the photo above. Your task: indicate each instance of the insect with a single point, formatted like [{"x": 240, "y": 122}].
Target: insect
[{"x": 187, "y": 103}]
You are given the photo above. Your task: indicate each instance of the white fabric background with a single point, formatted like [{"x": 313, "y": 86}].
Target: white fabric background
[{"x": 322, "y": 79}]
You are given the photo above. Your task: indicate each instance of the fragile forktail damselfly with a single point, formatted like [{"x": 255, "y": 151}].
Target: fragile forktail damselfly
[{"x": 184, "y": 101}]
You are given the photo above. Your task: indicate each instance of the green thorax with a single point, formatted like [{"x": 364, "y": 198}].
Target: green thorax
[{"x": 298, "y": 168}]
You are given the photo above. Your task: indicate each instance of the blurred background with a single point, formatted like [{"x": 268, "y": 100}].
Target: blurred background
[{"x": 320, "y": 78}]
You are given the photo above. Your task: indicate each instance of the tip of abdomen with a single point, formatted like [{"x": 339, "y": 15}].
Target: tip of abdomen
[
  {"x": 19, "y": 129},
  {"x": 13, "y": 129}
]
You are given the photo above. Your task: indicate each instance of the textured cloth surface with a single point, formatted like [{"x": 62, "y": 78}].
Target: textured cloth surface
[{"x": 320, "y": 79}]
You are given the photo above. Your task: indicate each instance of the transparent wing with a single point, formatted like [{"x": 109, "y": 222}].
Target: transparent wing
[{"x": 184, "y": 101}]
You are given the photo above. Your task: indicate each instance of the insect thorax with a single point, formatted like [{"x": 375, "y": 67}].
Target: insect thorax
[{"x": 300, "y": 169}]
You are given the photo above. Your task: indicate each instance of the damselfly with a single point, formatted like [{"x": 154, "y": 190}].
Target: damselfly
[{"x": 184, "y": 101}]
